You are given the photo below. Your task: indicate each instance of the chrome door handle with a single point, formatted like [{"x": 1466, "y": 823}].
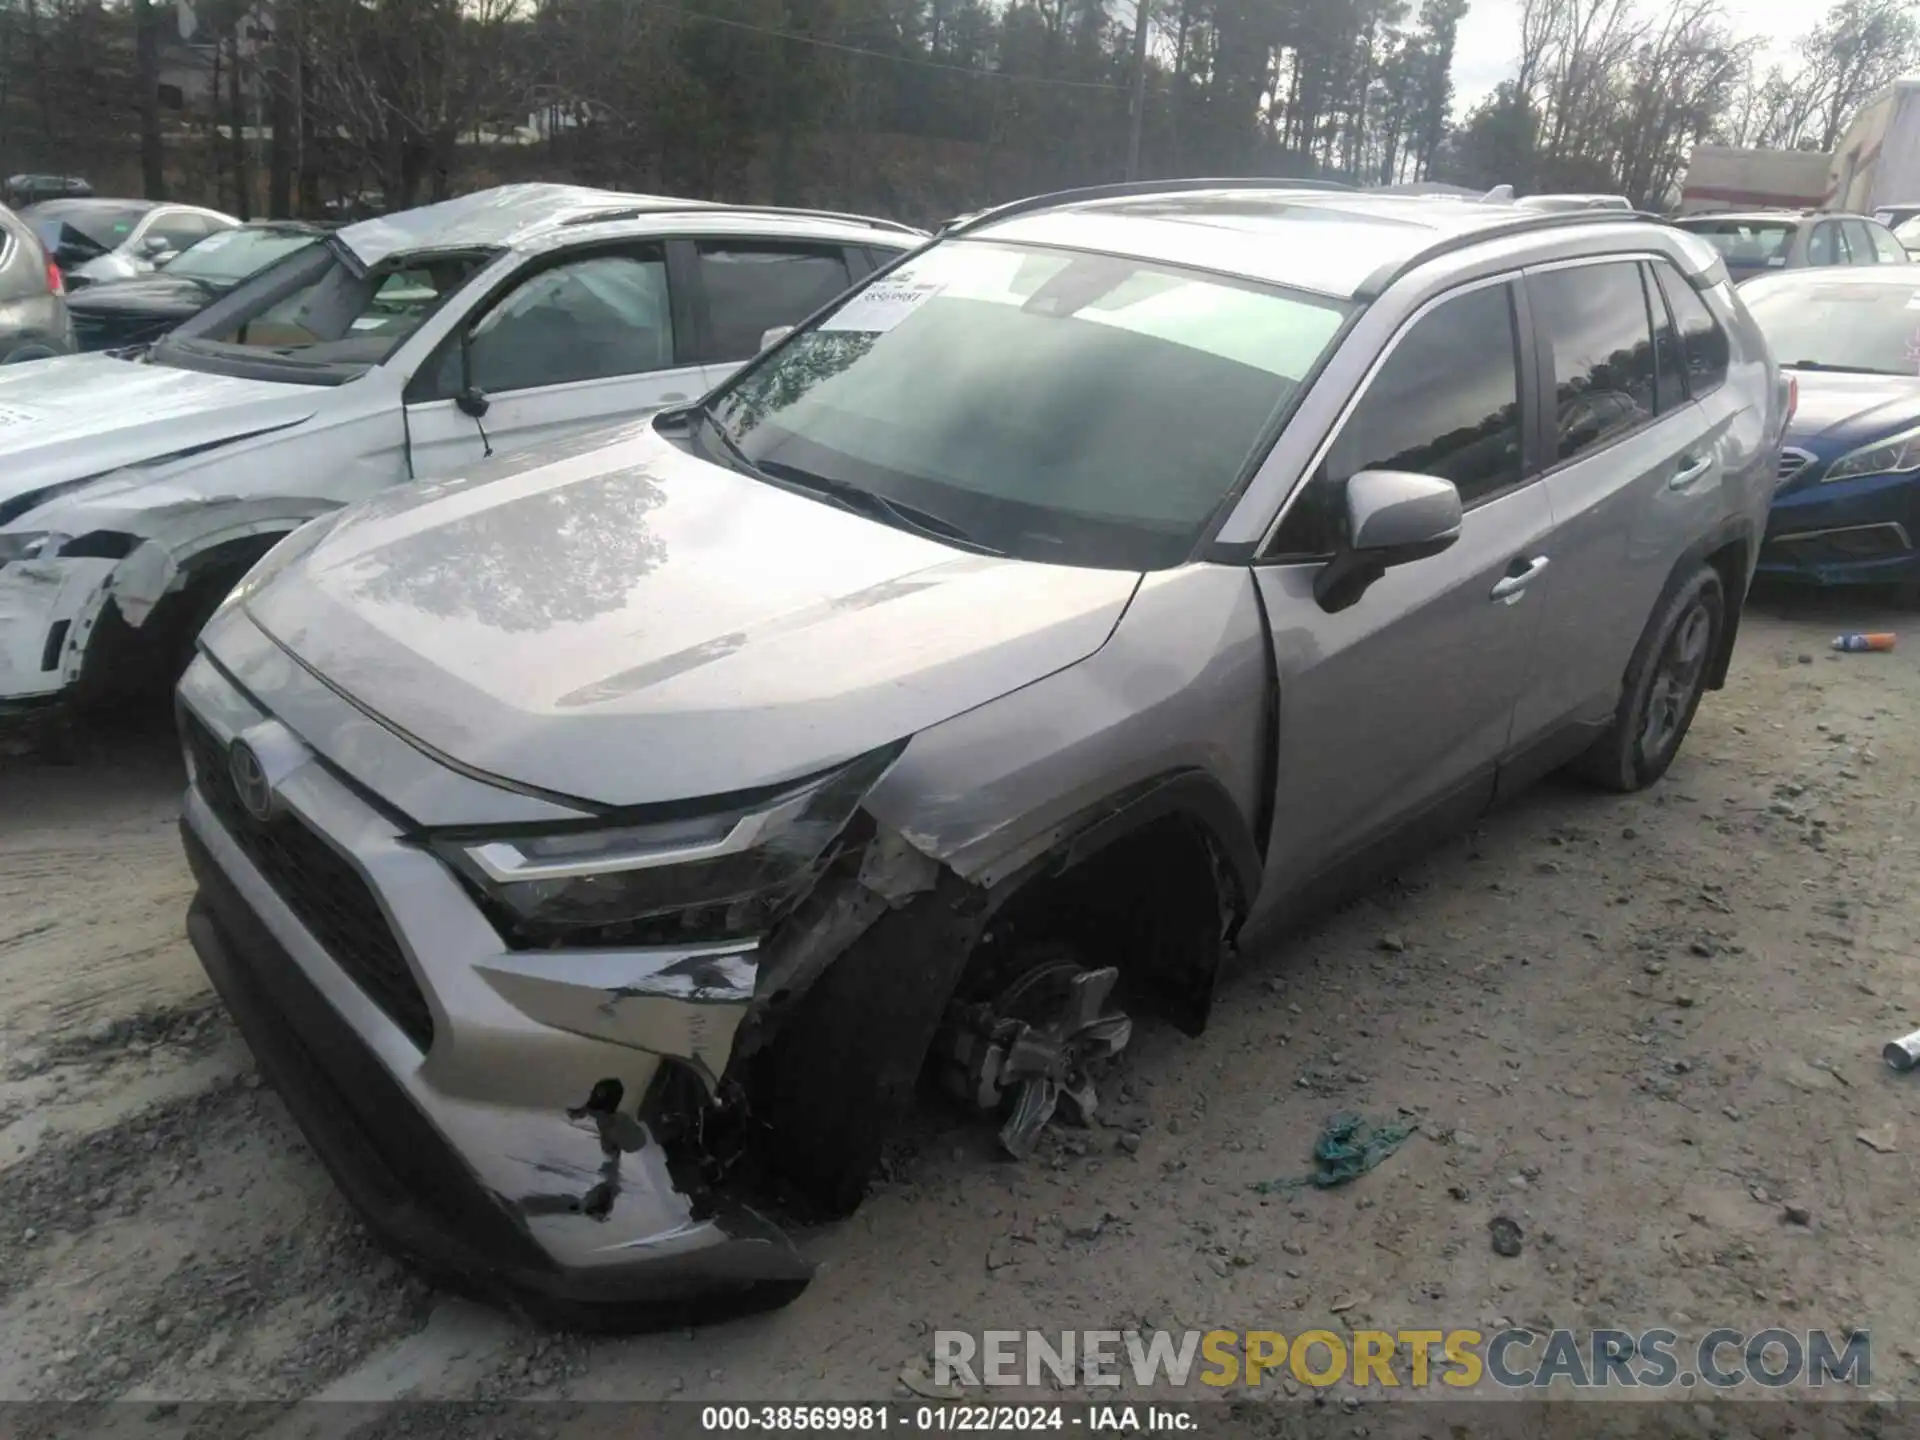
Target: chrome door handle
[
  {"x": 1689, "y": 472},
  {"x": 674, "y": 399},
  {"x": 1514, "y": 586}
]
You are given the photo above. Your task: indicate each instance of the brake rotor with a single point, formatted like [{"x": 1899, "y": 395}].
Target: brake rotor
[{"x": 1028, "y": 1052}]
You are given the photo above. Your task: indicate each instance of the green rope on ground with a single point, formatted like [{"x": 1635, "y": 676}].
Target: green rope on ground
[{"x": 1348, "y": 1147}]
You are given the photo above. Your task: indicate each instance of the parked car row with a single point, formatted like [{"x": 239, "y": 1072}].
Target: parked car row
[
  {"x": 1755, "y": 242},
  {"x": 662, "y": 679}
]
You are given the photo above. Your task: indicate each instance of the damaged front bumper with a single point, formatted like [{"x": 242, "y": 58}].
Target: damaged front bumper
[
  {"x": 487, "y": 1110},
  {"x": 47, "y": 608}
]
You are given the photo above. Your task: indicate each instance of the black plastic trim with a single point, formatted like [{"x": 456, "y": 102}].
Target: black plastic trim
[{"x": 1526, "y": 223}]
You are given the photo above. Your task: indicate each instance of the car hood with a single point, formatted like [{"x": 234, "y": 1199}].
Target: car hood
[
  {"x": 107, "y": 268},
  {"x": 612, "y": 620},
  {"x": 1844, "y": 409},
  {"x": 158, "y": 294},
  {"x": 80, "y": 416}
]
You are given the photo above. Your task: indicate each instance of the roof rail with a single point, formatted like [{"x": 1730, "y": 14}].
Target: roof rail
[
  {"x": 697, "y": 207},
  {"x": 1137, "y": 187},
  {"x": 1523, "y": 223}
]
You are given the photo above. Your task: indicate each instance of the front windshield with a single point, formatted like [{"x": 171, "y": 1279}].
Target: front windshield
[
  {"x": 81, "y": 229},
  {"x": 230, "y": 256},
  {"x": 1908, "y": 233},
  {"x": 1840, "y": 324},
  {"x": 1057, "y": 406},
  {"x": 312, "y": 320},
  {"x": 1746, "y": 244}
]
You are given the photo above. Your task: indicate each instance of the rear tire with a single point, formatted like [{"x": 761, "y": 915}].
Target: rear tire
[{"x": 1664, "y": 684}]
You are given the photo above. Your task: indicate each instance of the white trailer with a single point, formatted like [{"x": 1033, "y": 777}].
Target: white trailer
[
  {"x": 1876, "y": 166},
  {"x": 1724, "y": 177}
]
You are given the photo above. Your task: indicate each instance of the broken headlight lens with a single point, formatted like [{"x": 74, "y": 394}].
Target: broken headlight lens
[{"x": 739, "y": 865}]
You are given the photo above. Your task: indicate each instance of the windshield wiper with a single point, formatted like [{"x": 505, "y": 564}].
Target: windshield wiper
[
  {"x": 878, "y": 507},
  {"x": 848, "y": 496},
  {"x": 1839, "y": 369}
]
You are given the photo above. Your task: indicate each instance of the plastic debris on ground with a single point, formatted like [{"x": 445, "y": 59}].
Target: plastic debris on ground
[
  {"x": 1872, "y": 640},
  {"x": 1349, "y": 1146}
]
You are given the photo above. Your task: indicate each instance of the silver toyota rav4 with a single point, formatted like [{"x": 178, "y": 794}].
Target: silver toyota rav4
[{"x": 596, "y": 846}]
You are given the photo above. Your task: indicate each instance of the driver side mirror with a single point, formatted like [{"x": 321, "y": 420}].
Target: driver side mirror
[
  {"x": 470, "y": 398},
  {"x": 774, "y": 336},
  {"x": 1394, "y": 517},
  {"x": 154, "y": 246}
]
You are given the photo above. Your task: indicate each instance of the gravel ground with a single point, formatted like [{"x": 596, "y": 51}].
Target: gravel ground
[{"x": 1647, "y": 1030}]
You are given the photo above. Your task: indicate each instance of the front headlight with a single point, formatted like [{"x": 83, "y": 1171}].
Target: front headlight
[
  {"x": 1895, "y": 455},
  {"x": 725, "y": 871},
  {"x": 26, "y": 545}
]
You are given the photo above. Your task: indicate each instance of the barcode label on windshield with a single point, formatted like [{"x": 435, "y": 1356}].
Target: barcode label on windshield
[{"x": 880, "y": 307}]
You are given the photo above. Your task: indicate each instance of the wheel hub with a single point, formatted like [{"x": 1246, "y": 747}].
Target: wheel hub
[{"x": 1027, "y": 1053}]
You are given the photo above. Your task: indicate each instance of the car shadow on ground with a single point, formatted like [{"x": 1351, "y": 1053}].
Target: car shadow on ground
[
  {"x": 1849, "y": 608},
  {"x": 135, "y": 742}
]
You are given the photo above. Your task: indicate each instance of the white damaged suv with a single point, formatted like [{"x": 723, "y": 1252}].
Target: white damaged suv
[{"x": 137, "y": 487}]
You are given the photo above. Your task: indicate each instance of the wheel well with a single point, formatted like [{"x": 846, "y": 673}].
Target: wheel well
[
  {"x": 1729, "y": 562},
  {"x": 125, "y": 661},
  {"x": 1156, "y": 902}
]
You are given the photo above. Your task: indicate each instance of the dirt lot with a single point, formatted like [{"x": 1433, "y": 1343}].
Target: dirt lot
[{"x": 1644, "y": 1028}]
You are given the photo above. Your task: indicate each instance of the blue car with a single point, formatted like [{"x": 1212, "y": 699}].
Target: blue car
[{"x": 1848, "y": 506}]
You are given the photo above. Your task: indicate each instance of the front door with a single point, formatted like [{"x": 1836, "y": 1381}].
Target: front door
[
  {"x": 1402, "y": 704},
  {"x": 585, "y": 341}
]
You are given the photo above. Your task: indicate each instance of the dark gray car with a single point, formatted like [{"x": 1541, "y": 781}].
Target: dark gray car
[
  {"x": 1756, "y": 242},
  {"x": 584, "y": 839},
  {"x": 33, "y": 310}
]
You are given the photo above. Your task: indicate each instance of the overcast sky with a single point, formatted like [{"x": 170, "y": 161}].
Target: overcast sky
[{"x": 1489, "y": 43}]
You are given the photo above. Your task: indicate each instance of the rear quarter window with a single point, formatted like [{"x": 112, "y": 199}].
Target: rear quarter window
[{"x": 1703, "y": 343}]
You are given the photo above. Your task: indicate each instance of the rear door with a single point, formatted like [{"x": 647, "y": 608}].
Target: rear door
[
  {"x": 1401, "y": 705},
  {"x": 1858, "y": 243},
  {"x": 1633, "y": 478},
  {"x": 571, "y": 341},
  {"x": 1823, "y": 245},
  {"x": 743, "y": 286}
]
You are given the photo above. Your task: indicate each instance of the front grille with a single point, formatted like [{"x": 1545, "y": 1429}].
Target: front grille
[
  {"x": 319, "y": 886},
  {"x": 1792, "y": 462}
]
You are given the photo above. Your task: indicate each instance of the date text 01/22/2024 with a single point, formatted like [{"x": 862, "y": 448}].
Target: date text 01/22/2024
[{"x": 931, "y": 1419}]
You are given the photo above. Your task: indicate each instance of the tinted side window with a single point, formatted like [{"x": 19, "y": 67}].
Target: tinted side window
[
  {"x": 1859, "y": 243},
  {"x": 1885, "y": 247},
  {"x": 870, "y": 258},
  {"x": 1822, "y": 248},
  {"x": 750, "y": 288},
  {"x": 1445, "y": 403},
  {"x": 1593, "y": 321},
  {"x": 1669, "y": 369},
  {"x": 178, "y": 230},
  {"x": 1702, "y": 340},
  {"x": 589, "y": 319}
]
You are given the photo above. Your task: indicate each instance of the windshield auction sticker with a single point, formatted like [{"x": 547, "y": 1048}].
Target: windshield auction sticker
[{"x": 881, "y": 306}]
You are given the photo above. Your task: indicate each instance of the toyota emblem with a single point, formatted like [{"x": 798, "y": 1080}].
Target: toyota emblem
[{"x": 250, "y": 781}]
